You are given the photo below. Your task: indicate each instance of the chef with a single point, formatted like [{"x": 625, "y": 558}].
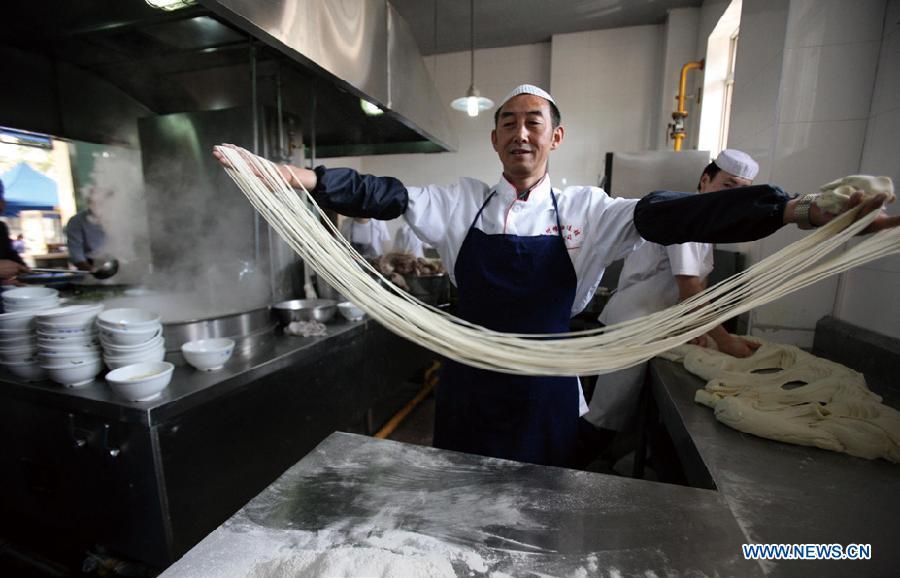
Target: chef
[
  {"x": 653, "y": 278},
  {"x": 367, "y": 236},
  {"x": 525, "y": 257},
  {"x": 85, "y": 236}
]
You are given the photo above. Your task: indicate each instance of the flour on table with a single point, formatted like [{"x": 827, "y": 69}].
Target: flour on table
[
  {"x": 829, "y": 405},
  {"x": 351, "y": 562}
]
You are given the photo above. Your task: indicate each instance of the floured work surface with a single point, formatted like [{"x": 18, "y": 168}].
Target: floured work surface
[
  {"x": 783, "y": 493},
  {"x": 360, "y": 506}
]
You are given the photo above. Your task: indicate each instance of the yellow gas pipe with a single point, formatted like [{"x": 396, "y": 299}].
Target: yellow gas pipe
[{"x": 679, "y": 115}]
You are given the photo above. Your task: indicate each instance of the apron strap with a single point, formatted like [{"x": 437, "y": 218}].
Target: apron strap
[
  {"x": 483, "y": 205},
  {"x": 556, "y": 210},
  {"x": 559, "y": 228}
]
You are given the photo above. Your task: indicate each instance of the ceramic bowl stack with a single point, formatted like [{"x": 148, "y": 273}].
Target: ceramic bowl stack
[
  {"x": 130, "y": 336},
  {"x": 30, "y": 298},
  {"x": 68, "y": 350},
  {"x": 18, "y": 345}
]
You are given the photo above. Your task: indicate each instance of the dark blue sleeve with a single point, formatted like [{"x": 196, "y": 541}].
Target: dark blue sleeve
[
  {"x": 355, "y": 195},
  {"x": 727, "y": 216}
]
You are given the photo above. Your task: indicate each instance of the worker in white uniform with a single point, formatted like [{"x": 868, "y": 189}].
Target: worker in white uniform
[
  {"x": 525, "y": 257},
  {"x": 655, "y": 277},
  {"x": 368, "y": 236},
  {"x": 405, "y": 241}
]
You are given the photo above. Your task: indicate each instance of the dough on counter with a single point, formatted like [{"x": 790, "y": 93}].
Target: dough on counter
[{"x": 783, "y": 393}]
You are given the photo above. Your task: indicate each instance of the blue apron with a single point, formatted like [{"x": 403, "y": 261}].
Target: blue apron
[{"x": 522, "y": 285}]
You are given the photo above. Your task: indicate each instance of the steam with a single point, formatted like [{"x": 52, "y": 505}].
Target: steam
[
  {"x": 183, "y": 232},
  {"x": 116, "y": 198}
]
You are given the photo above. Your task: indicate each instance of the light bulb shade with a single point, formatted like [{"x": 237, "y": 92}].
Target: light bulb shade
[{"x": 472, "y": 103}]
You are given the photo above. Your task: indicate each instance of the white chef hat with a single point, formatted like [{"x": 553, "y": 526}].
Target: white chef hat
[
  {"x": 526, "y": 89},
  {"x": 738, "y": 163},
  {"x": 529, "y": 89}
]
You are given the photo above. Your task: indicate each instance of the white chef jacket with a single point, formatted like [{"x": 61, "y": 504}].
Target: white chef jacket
[
  {"x": 405, "y": 241},
  {"x": 597, "y": 229},
  {"x": 374, "y": 233},
  {"x": 647, "y": 284}
]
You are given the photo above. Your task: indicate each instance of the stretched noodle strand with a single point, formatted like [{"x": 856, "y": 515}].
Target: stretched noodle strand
[{"x": 302, "y": 224}]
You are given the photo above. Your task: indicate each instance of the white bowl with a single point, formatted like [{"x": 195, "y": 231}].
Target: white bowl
[
  {"x": 29, "y": 370},
  {"x": 15, "y": 332},
  {"x": 23, "y": 294},
  {"x": 118, "y": 350},
  {"x": 16, "y": 320},
  {"x": 208, "y": 354},
  {"x": 50, "y": 339},
  {"x": 19, "y": 355},
  {"x": 73, "y": 374},
  {"x": 130, "y": 337},
  {"x": 57, "y": 331},
  {"x": 350, "y": 311},
  {"x": 68, "y": 360},
  {"x": 18, "y": 342},
  {"x": 141, "y": 381},
  {"x": 69, "y": 349},
  {"x": 127, "y": 319},
  {"x": 69, "y": 315},
  {"x": 33, "y": 306},
  {"x": 154, "y": 357},
  {"x": 115, "y": 362}
]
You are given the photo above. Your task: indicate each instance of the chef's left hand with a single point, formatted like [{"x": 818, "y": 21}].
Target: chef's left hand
[{"x": 818, "y": 217}]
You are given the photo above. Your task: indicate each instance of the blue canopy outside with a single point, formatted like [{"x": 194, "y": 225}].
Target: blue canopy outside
[{"x": 26, "y": 189}]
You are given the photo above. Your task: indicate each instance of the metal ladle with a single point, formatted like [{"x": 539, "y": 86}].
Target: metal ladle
[{"x": 104, "y": 270}]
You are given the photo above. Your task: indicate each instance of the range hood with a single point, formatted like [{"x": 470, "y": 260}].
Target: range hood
[{"x": 88, "y": 70}]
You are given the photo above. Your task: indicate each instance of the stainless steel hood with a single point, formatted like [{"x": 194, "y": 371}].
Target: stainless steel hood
[{"x": 89, "y": 69}]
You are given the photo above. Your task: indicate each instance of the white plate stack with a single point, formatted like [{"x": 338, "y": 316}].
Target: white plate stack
[
  {"x": 68, "y": 350},
  {"x": 30, "y": 298},
  {"x": 130, "y": 336},
  {"x": 18, "y": 348}
]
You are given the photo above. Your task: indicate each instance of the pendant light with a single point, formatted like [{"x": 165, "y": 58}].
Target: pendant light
[{"x": 472, "y": 103}]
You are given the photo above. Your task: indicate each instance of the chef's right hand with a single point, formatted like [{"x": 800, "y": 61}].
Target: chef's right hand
[{"x": 295, "y": 176}]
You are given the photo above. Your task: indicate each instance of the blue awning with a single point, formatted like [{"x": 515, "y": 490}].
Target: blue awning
[{"x": 26, "y": 189}]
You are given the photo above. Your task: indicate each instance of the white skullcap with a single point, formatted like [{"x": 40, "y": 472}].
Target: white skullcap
[
  {"x": 527, "y": 89},
  {"x": 738, "y": 163}
]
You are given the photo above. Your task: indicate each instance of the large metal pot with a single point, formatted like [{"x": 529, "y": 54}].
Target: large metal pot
[
  {"x": 430, "y": 289},
  {"x": 321, "y": 310},
  {"x": 247, "y": 328}
]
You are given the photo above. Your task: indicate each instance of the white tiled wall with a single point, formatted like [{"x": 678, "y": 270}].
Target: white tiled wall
[
  {"x": 607, "y": 84},
  {"x": 870, "y": 295},
  {"x": 804, "y": 87}
]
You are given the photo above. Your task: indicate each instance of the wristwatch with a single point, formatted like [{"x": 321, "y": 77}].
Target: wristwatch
[{"x": 801, "y": 211}]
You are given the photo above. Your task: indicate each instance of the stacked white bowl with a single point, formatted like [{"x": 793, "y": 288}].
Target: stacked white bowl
[
  {"x": 18, "y": 348},
  {"x": 29, "y": 298},
  {"x": 67, "y": 344},
  {"x": 130, "y": 336}
]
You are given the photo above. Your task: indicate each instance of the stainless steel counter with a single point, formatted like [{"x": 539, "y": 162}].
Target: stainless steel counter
[
  {"x": 479, "y": 515},
  {"x": 149, "y": 480},
  {"x": 189, "y": 387},
  {"x": 782, "y": 493}
]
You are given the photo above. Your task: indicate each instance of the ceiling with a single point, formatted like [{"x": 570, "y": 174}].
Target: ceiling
[{"x": 513, "y": 22}]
